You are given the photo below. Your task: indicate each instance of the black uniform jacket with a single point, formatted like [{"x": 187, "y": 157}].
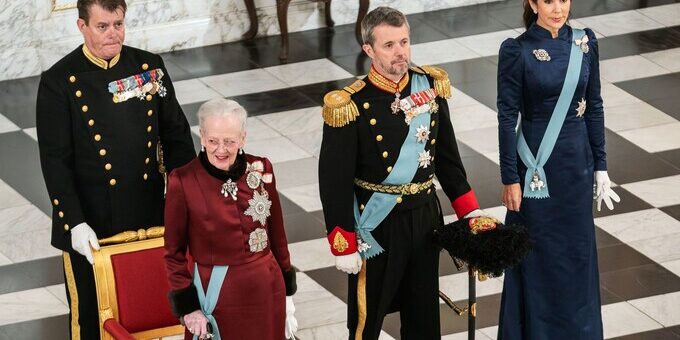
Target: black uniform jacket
[
  {"x": 368, "y": 147},
  {"x": 98, "y": 156}
]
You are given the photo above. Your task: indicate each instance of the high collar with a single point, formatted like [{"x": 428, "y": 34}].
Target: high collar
[
  {"x": 103, "y": 63},
  {"x": 386, "y": 84},
  {"x": 563, "y": 34},
  {"x": 234, "y": 173}
]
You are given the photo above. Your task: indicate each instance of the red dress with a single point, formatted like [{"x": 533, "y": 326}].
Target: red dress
[{"x": 245, "y": 233}]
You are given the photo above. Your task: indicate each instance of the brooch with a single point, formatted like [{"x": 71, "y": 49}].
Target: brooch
[
  {"x": 542, "y": 55},
  {"x": 258, "y": 240},
  {"x": 581, "y": 109},
  {"x": 229, "y": 188},
  {"x": 583, "y": 43}
]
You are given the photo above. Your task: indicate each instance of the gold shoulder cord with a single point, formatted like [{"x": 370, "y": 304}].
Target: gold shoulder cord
[
  {"x": 442, "y": 83},
  {"x": 338, "y": 107}
]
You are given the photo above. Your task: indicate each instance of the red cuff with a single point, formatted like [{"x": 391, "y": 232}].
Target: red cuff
[
  {"x": 342, "y": 242},
  {"x": 465, "y": 203}
]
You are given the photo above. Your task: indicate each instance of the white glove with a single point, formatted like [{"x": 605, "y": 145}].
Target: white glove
[
  {"x": 476, "y": 213},
  {"x": 82, "y": 237},
  {"x": 350, "y": 264},
  {"x": 603, "y": 191},
  {"x": 291, "y": 321}
]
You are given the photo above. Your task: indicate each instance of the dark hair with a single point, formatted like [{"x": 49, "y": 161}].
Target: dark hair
[
  {"x": 109, "y": 5},
  {"x": 380, "y": 15},
  {"x": 529, "y": 15}
]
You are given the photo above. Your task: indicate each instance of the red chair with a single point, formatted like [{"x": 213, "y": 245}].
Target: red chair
[{"x": 132, "y": 287}]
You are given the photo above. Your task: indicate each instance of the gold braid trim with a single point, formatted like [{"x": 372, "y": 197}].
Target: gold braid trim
[
  {"x": 399, "y": 189},
  {"x": 361, "y": 302},
  {"x": 73, "y": 294},
  {"x": 338, "y": 107},
  {"x": 442, "y": 83}
]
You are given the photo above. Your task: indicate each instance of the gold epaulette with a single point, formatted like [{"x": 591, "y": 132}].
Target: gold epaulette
[
  {"x": 442, "y": 83},
  {"x": 338, "y": 107}
]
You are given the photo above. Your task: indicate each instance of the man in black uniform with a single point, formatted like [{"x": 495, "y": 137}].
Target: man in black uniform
[
  {"x": 384, "y": 140},
  {"x": 101, "y": 111}
]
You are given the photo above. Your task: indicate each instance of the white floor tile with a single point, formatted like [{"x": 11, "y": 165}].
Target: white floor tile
[
  {"x": 308, "y": 72},
  {"x": 490, "y": 332},
  {"x": 308, "y": 141},
  {"x": 658, "y": 192},
  {"x": 622, "y": 318},
  {"x": 481, "y": 140},
  {"x": 193, "y": 91},
  {"x": 295, "y": 121},
  {"x": 575, "y": 23},
  {"x": 430, "y": 53},
  {"x": 493, "y": 156},
  {"x": 664, "y": 308},
  {"x": 464, "y": 336},
  {"x": 660, "y": 249},
  {"x": 455, "y": 286},
  {"x": 312, "y": 254},
  {"x": 9, "y": 197},
  {"x": 620, "y": 23},
  {"x": 23, "y": 218},
  {"x": 296, "y": 173},
  {"x": 668, "y": 59},
  {"x": 612, "y": 96},
  {"x": 639, "y": 225},
  {"x": 635, "y": 116},
  {"x": 473, "y": 117},
  {"x": 458, "y": 98},
  {"x": 26, "y": 246},
  {"x": 668, "y": 15},
  {"x": 332, "y": 331},
  {"x": 628, "y": 68},
  {"x": 673, "y": 266},
  {"x": 487, "y": 44},
  {"x": 6, "y": 125},
  {"x": 655, "y": 138},
  {"x": 32, "y": 132},
  {"x": 279, "y": 149},
  {"x": 258, "y": 130},
  {"x": 59, "y": 291},
  {"x": 4, "y": 260},
  {"x": 306, "y": 196},
  {"x": 244, "y": 82},
  {"x": 29, "y": 305}
]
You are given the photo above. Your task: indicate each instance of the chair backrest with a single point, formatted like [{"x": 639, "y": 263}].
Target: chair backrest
[{"x": 132, "y": 288}]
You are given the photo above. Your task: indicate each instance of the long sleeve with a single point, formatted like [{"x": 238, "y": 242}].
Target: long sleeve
[
  {"x": 449, "y": 167},
  {"x": 594, "y": 115},
  {"x": 337, "y": 168},
  {"x": 277, "y": 234},
  {"x": 55, "y": 140},
  {"x": 183, "y": 296},
  {"x": 509, "y": 103},
  {"x": 175, "y": 133}
]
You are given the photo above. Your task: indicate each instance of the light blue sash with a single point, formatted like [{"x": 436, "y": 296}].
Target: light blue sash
[
  {"x": 209, "y": 299},
  {"x": 380, "y": 204},
  {"x": 535, "y": 174}
]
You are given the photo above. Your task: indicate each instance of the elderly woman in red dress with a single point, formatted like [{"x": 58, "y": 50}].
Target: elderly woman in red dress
[{"x": 223, "y": 210}]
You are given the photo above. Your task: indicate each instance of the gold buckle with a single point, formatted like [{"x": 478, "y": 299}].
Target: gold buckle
[{"x": 413, "y": 188}]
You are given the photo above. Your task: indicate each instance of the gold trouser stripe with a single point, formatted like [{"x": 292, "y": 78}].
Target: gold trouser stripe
[
  {"x": 361, "y": 301},
  {"x": 73, "y": 293}
]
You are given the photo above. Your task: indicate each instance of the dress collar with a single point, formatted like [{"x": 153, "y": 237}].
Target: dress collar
[
  {"x": 386, "y": 84},
  {"x": 99, "y": 61},
  {"x": 542, "y": 33},
  {"x": 234, "y": 173}
]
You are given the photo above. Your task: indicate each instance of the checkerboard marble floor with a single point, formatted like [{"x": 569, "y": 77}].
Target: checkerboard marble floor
[{"x": 638, "y": 241}]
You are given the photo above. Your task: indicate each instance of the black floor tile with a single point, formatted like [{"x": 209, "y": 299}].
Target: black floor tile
[
  {"x": 639, "y": 42},
  {"x": 264, "y": 51},
  {"x": 653, "y": 88},
  {"x": 32, "y": 274},
  {"x": 357, "y": 64},
  {"x": 447, "y": 266},
  {"x": 470, "y": 70},
  {"x": 585, "y": 8},
  {"x": 273, "y": 101},
  {"x": 671, "y": 156},
  {"x": 463, "y": 21},
  {"x": 288, "y": 206},
  {"x": 488, "y": 308},
  {"x": 316, "y": 92},
  {"x": 607, "y": 297},
  {"x": 510, "y": 16},
  {"x": 669, "y": 105},
  {"x": 639, "y": 282},
  {"x": 627, "y": 162},
  {"x": 620, "y": 257},
  {"x": 303, "y": 227},
  {"x": 53, "y": 328},
  {"x": 209, "y": 60},
  {"x": 332, "y": 280},
  {"x": 484, "y": 178},
  {"x": 671, "y": 333},
  {"x": 17, "y": 100},
  {"x": 636, "y": 4},
  {"x": 331, "y": 42},
  {"x": 673, "y": 210},
  {"x": 484, "y": 91},
  {"x": 604, "y": 239},
  {"x": 629, "y": 203},
  {"x": 447, "y": 209},
  {"x": 20, "y": 168}
]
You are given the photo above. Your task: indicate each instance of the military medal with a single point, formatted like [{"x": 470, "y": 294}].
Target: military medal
[
  {"x": 536, "y": 182},
  {"x": 581, "y": 109},
  {"x": 138, "y": 85},
  {"x": 424, "y": 159},
  {"x": 417, "y": 103},
  {"x": 257, "y": 240},
  {"x": 422, "y": 134},
  {"x": 542, "y": 55},
  {"x": 229, "y": 188},
  {"x": 395, "y": 104}
]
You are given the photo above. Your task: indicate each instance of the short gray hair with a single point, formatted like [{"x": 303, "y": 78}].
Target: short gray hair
[
  {"x": 379, "y": 16},
  {"x": 221, "y": 107}
]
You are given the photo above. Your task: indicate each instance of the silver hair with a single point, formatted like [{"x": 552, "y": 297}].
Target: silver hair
[
  {"x": 381, "y": 16},
  {"x": 221, "y": 107}
]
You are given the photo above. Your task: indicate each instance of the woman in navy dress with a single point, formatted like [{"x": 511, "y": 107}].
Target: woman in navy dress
[{"x": 554, "y": 293}]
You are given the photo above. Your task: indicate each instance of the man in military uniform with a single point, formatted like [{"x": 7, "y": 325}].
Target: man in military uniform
[
  {"x": 101, "y": 111},
  {"x": 384, "y": 140}
]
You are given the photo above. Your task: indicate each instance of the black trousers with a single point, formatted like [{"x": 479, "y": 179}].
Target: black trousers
[
  {"x": 404, "y": 278},
  {"x": 82, "y": 297}
]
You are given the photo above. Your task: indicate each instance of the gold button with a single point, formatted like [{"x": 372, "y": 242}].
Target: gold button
[
  {"x": 107, "y": 166},
  {"x": 79, "y": 94},
  {"x": 66, "y": 227},
  {"x": 148, "y": 97},
  {"x": 433, "y": 123},
  {"x": 84, "y": 108},
  {"x": 385, "y": 154},
  {"x": 399, "y": 199},
  {"x": 72, "y": 79},
  {"x": 145, "y": 66},
  {"x": 61, "y": 214},
  {"x": 389, "y": 169},
  {"x": 97, "y": 137},
  {"x": 148, "y": 128},
  {"x": 378, "y": 138},
  {"x": 102, "y": 152},
  {"x": 361, "y": 207},
  {"x": 112, "y": 182},
  {"x": 149, "y": 113},
  {"x": 146, "y": 161},
  {"x": 146, "y": 177},
  {"x": 90, "y": 122},
  {"x": 367, "y": 105},
  {"x": 148, "y": 144},
  {"x": 373, "y": 121},
  {"x": 55, "y": 201},
  {"x": 115, "y": 99},
  {"x": 433, "y": 141}
]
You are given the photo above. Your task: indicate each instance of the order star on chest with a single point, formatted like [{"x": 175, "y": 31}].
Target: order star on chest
[{"x": 581, "y": 109}]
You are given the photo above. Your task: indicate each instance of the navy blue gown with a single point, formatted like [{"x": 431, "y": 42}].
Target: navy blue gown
[{"x": 554, "y": 293}]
